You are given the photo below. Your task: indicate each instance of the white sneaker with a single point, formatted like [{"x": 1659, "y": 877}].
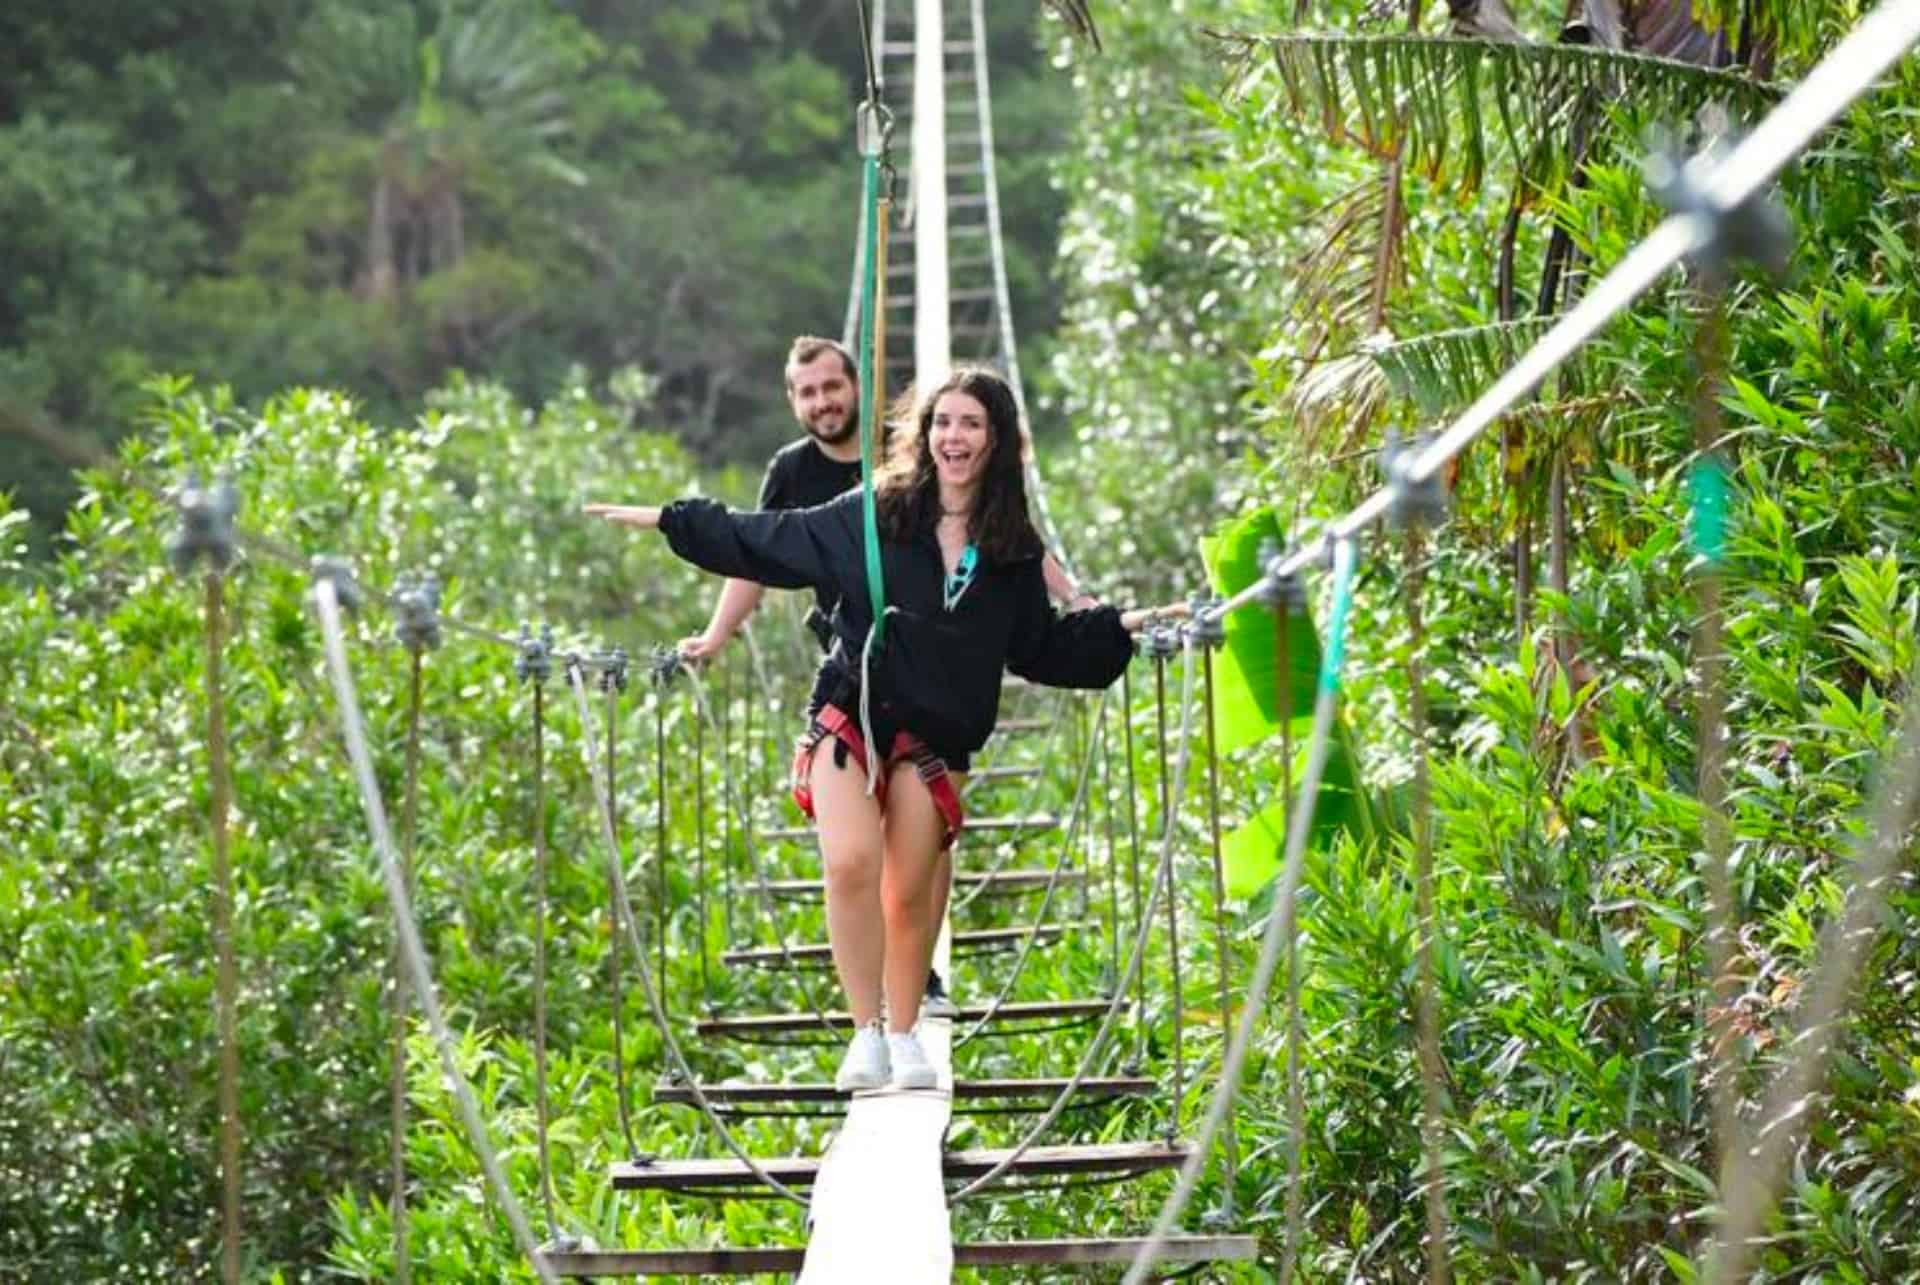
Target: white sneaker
[
  {"x": 865, "y": 1065},
  {"x": 911, "y": 1070}
]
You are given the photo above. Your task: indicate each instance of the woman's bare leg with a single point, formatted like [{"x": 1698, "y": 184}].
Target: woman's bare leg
[
  {"x": 849, "y": 827},
  {"x": 914, "y": 829},
  {"x": 943, "y": 878}
]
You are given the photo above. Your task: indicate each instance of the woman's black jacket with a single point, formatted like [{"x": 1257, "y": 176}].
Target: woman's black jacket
[{"x": 937, "y": 672}]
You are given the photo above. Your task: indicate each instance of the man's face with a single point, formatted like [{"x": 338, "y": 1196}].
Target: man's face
[{"x": 823, "y": 398}]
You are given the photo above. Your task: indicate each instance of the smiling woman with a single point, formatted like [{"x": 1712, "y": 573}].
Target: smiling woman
[{"x": 967, "y": 600}]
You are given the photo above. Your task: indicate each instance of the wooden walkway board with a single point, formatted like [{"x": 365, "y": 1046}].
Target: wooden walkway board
[
  {"x": 975, "y": 825},
  {"x": 1039, "y": 1091},
  {"x": 1110, "y": 1158},
  {"x": 995, "y": 882},
  {"x": 966, "y": 943},
  {"x": 763, "y": 1262},
  {"x": 796, "y": 1023},
  {"x": 989, "y": 775}
]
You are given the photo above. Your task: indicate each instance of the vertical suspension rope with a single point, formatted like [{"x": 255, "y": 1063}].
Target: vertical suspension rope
[
  {"x": 1432, "y": 1069},
  {"x": 611, "y": 686},
  {"x": 726, "y": 813},
  {"x": 1133, "y": 850},
  {"x": 1085, "y": 744},
  {"x": 1167, "y": 824},
  {"x": 1113, "y": 852},
  {"x": 402, "y": 998},
  {"x": 660, "y": 839},
  {"x": 226, "y": 979},
  {"x": 700, "y": 852},
  {"x": 541, "y": 1112},
  {"x": 1709, "y": 486},
  {"x": 1296, "y": 1096},
  {"x": 1220, "y": 929}
]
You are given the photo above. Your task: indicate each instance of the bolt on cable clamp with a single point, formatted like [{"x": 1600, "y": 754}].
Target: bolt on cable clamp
[
  {"x": 612, "y": 668},
  {"x": 667, "y": 665},
  {"x": 206, "y": 524},
  {"x": 1160, "y": 641},
  {"x": 534, "y": 663},
  {"x": 416, "y": 607},
  {"x": 1415, "y": 504},
  {"x": 336, "y": 572},
  {"x": 1206, "y": 625},
  {"x": 1281, "y": 589},
  {"x": 1758, "y": 228}
]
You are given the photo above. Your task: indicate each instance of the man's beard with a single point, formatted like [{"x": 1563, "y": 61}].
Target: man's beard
[{"x": 833, "y": 437}]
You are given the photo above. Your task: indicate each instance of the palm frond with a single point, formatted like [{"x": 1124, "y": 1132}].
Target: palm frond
[
  {"x": 1447, "y": 105},
  {"x": 1441, "y": 373},
  {"x": 1078, "y": 16}
]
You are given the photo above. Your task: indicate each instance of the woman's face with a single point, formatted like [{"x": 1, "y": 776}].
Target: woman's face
[{"x": 961, "y": 439}]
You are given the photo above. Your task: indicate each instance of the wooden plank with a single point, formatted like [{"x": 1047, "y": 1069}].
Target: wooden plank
[
  {"x": 1065, "y": 1160},
  {"x": 995, "y": 882},
  {"x": 787, "y": 1258},
  {"x": 823, "y": 1092},
  {"x": 990, "y": 775},
  {"x": 981, "y": 825},
  {"x": 786, "y": 1023},
  {"x": 974, "y": 941}
]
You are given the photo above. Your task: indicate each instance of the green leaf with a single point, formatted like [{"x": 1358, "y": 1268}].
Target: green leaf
[
  {"x": 1447, "y": 104},
  {"x": 1246, "y": 675}
]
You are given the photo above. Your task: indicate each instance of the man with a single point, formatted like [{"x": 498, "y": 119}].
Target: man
[{"x": 823, "y": 390}]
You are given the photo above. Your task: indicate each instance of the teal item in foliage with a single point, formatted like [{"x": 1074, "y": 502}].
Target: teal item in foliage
[
  {"x": 1246, "y": 688},
  {"x": 1709, "y": 487}
]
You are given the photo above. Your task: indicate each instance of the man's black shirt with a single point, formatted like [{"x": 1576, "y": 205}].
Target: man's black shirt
[{"x": 799, "y": 476}]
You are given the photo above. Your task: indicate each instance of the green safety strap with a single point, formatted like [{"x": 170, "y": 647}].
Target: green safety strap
[
  {"x": 1335, "y": 655},
  {"x": 870, "y": 380}
]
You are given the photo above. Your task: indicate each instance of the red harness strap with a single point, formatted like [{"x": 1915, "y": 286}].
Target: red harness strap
[{"x": 832, "y": 723}]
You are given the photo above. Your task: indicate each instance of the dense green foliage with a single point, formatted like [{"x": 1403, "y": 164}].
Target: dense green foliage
[
  {"x": 366, "y": 195},
  {"x": 1221, "y": 253}
]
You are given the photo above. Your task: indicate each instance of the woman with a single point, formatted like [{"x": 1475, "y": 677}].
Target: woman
[{"x": 965, "y": 599}]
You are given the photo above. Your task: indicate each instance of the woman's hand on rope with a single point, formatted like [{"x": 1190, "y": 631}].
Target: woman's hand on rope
[
  {"x": 1140, "y": 617},
  {"x": 701, "y": 648},
  {"x": 646, "y": 517}
]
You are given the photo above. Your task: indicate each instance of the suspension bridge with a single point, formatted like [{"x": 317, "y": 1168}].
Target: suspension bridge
[{"x": 1071, "y": 844}]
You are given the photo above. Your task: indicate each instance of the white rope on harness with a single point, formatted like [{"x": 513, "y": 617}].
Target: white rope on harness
[{"x": 874, "y": 752}]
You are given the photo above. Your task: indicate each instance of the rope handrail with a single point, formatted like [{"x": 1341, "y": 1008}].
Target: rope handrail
[
  {"x": 1032, "y": 937},
  {"x": 1055, "y": 735},
  {"x": 1161, "y": 882},
  {"x": 744, "y": 818},
  {"x": 624, "y": 904},
  {"x": 1280, "y": 924},
  {"x": 327, "y": 604}
]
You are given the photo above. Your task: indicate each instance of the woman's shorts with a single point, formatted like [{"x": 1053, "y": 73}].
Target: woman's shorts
[{"x": 832, "y": 724}]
